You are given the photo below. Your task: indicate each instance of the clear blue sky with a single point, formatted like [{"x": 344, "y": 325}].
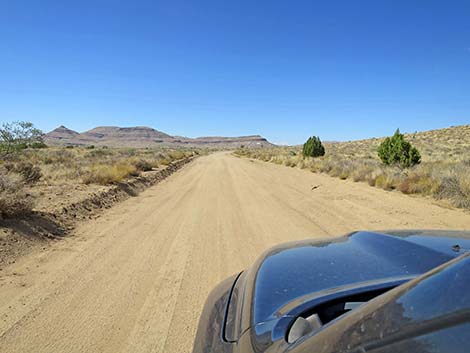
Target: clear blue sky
[{"x": 284, "y": 69}]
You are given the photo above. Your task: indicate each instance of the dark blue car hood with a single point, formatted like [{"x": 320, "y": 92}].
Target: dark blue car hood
[
  {"x": 293, "y": 275},
  {"x": 254, "y": 311}
]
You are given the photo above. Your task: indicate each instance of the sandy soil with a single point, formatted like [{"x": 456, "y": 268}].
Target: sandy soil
[{"x": 135, "y": 279}]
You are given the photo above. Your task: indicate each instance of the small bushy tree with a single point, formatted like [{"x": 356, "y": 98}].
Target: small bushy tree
[
  {"x": 17, "y": 136},
  {"x": 313, "y": 147},
  {"x": 396, "y": 150}
]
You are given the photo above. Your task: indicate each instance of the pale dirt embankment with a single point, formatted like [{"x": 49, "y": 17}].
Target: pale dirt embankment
[{"x": 135, "y": 279}]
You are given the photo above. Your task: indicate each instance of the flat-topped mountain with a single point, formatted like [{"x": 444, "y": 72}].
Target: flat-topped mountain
[
  {"x": 142, "y": 136},
  {"x": 140, "y": 132}
]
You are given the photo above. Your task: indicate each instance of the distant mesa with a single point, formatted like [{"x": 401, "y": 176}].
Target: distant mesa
[{"x": 142, "y": 137}]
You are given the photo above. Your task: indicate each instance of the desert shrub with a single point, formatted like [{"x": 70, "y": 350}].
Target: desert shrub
[
  {"x": 371, "y": 180},
  {"x": 29, "y": 172},
  {"x": 313, "y": 147},
  {"x": 340, "y": 169},
  {"x": 325, "y": 166},
  {"x": 344, "y": 174},
  {"x": 315, "y": 168},
  {"x": 99, "y": 152},
  {"x": 372, "y": 176},
  {"x": 455, "y": 187},
  {"x": 175, "y": 155},
  {"x": 128, "y": 152},
  {"x": 60, "y": 156},
  {"x": 396, "y": 150},
  {"x": 143, "y": 165},
  {"x": 290, "y": 163},
  {"x": 307, "y": 163},
  {"x": 388, "y": 179},
  {"x": 105, "y": 174},
  {"x": 14, "y": 200},
  {"x": 266, "y": 158},
  {"x": 38, "y": 145},
  {"x": 382, "y": 181},
  {"x": 417, "y": 183},
  {"x": 361, "y": 171},
  {"x": 359, "y": 175}
]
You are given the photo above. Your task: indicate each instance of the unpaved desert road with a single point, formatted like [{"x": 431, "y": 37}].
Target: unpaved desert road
[{"x": 135, "y": 279}]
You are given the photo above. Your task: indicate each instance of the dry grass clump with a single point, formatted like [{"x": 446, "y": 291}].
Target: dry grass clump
[
  {"x": 175, "y": 155},
  {"x": 14, "y": 200},
  {"x": 455, "y": 185},
  {"x": 386, "y": 181},
  {"x": 418, "y": 183},
  {"x": 31, "y": 173},
  {"x": 443, "y": 174},
  {"x": 290, "y": 163},
  {"x": 144, "y": 165},
  {"x": 105, "y": 174},
  {"x": 365, "y": 172}
]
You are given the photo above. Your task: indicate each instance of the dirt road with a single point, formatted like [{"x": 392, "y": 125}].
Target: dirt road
[{"x": 135, "y": 279}]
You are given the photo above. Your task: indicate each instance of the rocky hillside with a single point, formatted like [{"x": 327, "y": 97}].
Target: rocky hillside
[{"x": 141, "y": 137}]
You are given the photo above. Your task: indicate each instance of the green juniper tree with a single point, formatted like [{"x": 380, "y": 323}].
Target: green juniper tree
[
  {"x": 313, "y": 147},
  {"x": 396, "y": 150}
]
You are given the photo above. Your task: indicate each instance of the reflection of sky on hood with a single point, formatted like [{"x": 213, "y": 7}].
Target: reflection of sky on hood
[
  {"x": 443, "y": 244},
  {"x": 445, "y": 292},
  {"x": 454, "y": 339},
  {"x": 451, "y": 340},
  {"x": 294, "y": 272}
]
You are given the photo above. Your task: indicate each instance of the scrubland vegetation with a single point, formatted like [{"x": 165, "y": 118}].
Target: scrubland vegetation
[
  {"x": 444, "y": 171},
  {"x": 29, "y": 170}
]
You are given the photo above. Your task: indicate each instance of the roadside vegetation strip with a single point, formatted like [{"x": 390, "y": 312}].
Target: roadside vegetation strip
[
  {"x": 105, "y": 199},
  {"x": 444, "y": 171},
  {"x": 33, "y": 178},
  {"x": 33, "y": 227}
]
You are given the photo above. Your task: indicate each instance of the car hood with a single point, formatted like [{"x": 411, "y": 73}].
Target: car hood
[{"x": 289, "y": 277}]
